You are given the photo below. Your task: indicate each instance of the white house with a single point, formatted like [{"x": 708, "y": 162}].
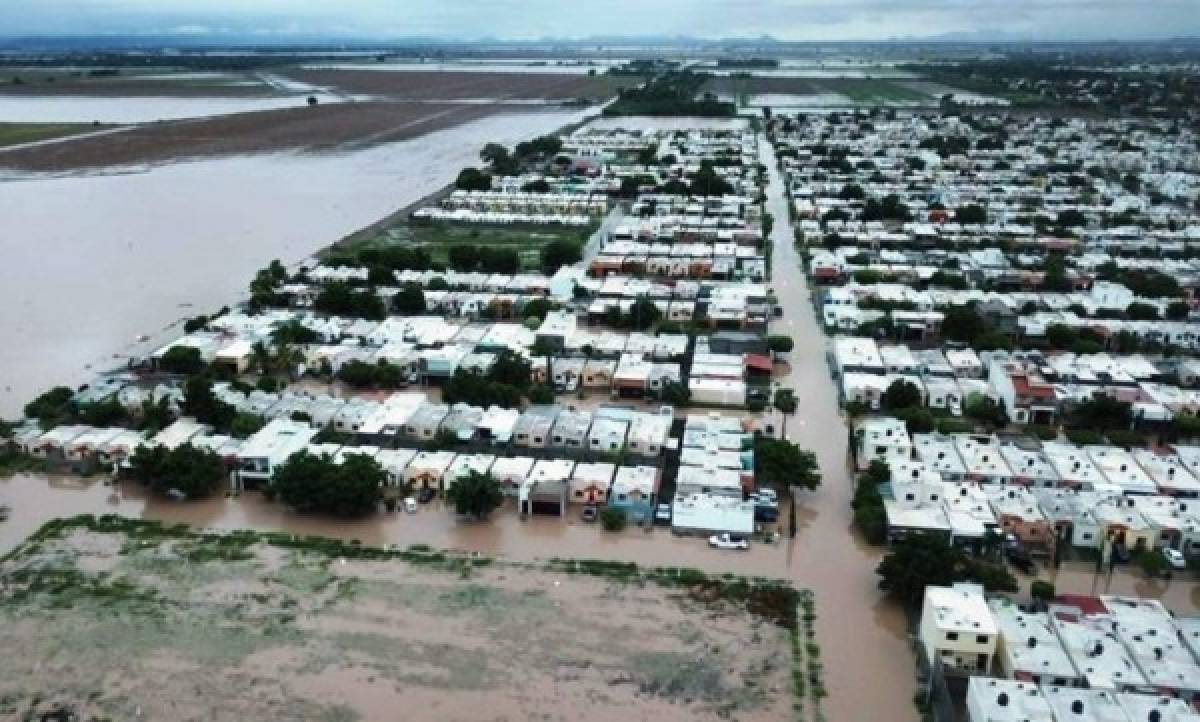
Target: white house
[{"x": 957, "y": 629}]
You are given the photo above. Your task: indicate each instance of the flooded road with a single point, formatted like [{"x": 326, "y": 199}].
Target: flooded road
[{"x": 91, "y": 262}]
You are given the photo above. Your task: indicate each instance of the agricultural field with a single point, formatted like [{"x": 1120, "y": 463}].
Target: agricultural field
[
  {"x": 340, "y": 126},
  {"x": 820, "y": 90},
  {"x": 109, "y": 618},
  {"x": 18, "y": 133},
  {"x": 142, "y": 82}
]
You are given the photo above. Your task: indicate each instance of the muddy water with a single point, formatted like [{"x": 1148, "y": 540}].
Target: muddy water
[{"x": 92, "y": 262}]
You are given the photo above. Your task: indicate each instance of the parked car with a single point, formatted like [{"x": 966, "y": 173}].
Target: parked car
[
  {"x": 729, "y": 541},
  {"x": 767, "y": 495},
  {"x": 1175, "y": 558},
  {"x": 766, "y": 514},
  {"x": 410, "y": 505},
  {"x": 1020, "y": 559},
  {"x": 662, "y": 514},
  {"x": 426, "y": 495},
  {"x": 590, "y": 513}
]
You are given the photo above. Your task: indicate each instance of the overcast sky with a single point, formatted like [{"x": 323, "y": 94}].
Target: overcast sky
[{"x": 531, "y": 19}]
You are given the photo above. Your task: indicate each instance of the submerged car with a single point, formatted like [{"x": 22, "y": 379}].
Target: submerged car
[
  {"x": 729, "y": 541},
  {"x": 590, "y": 512},
  {"x": 662, "y": 514}
]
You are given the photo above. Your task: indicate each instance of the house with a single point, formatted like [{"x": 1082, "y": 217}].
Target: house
[
  {"x": 511, "y": 472},
  {"x": 700, "y": 513},
  {"x": 648, "y": 432},
  {"x": 1029, "y": 650},
  {"x": 1083, "y": 705},
  {"x": 119, "y": 448},
  {"x": 1117, "y": 522},
  {"x": 709, "y": 480},
  {"x": 1006, "y": 700},
  {"x": 882, "y": 438},
  {"x": 1169, "y": 473},
  {"x": 555, "y": 330},
  {"x": 1074, "y": 468},
  {"x": 957, "y": 629},
  {"x": 590, "y": 482},
  {"x": 607, "y": 435},
  {"x": 598, "y": 373},
  {"x": 982, "y": 459},
  {"x": 463, "y": 422},
  {"x": 634, "y": 490},
  {"x": 544, "y": 491},
  {"x": 1027, "y": 398},
  {"x": 428, "y": 469},
  {"x": 1030, "y": 466},
  {"x": 269, "y": 447},
  {"x": 854, "y": 353},
  {"x": 465, "y": 464},
  {"x": 570, "y": 429},
  {"x": 180, "y": 432},
  {"x": 532, "y": 429},
  {"x": 1018, "y": 512},
  {"x": 394, "y": 462},
  {"x": 1175, "y": 522},
  {"x": 1159, "y": 707},
  {"x": 425, "y": 422},
  {"x": 497, "y": 425},
  {"x": 916, "y": 507}
]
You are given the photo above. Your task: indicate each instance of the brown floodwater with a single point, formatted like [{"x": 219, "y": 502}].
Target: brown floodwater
[{"x": 92, "y": 262}]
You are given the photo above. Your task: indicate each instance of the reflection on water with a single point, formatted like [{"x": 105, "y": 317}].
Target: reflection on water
[{"x": 92, "y": 262}]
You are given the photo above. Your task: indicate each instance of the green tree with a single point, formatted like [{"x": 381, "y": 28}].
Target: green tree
[
  {"x": 984, "y": 408},
  {"x": 973, "y": 214},
  {"x": 1042, "y": 591},
  {"x": 201, "y": 403},
  {"x": 920, "y": 560},
  {"x": 780, "y": 344},
  {"x": 780, "y": 463},
  {"x": 182, "y": 360},
  {"x": 476, "y": 494},
  {"x": 559, "y": 253},
  {"x": 309, "y": 483},
  {"x": 963, "y": 323},
  {"x": 901, "y": 394},
  {"x": 186, "y": 469},
  {"x": 245, "y": 425},
  {"x": 472, "y": 179},
  {"x": 643, "y": 314},
  {"x": 51, "y": 408},
  {"x": 1142, "y": 311},
  {"x": 1102, "y": 412},
  {"x": 409, "y": 301}
]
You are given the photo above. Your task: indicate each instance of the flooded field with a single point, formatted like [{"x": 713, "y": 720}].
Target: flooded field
[
  {"x": 98, "y": 109},
  {"x": 247, "y": 629},
  {"x": 93, "y": 262},
  {"x": 453, "y": 84}
]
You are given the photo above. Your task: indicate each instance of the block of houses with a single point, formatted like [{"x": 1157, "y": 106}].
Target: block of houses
[
  {"x": 1156, "y": 707},
  {"x": 1082, "y": 705},
  {"x": 882, "y": 438},
  {"x": 982, "y": 459},
  {"x": 1175, "y": 522},
  {"x": 544, "y": 491},
  {"x": 607, "y": 435},
  {"x": 1149, "y": 634},
  {"x": 916, "y": 507},
  {"x": 1100, "y": 657},
  {"x": 497, "y": 425},
  {"x": 957, "y": 629},
  {"x": 701, "y": 513},
  {"x": 709, "y": 480},
  {"x": 426, "y": 421},
  {"x": 1169, "y": 473},
  {"x": 1115, "y": 520},
  {"x": 180, "y": 432},
  {"x": 1029, "y": 649},
  {"x": 1030, "y": 466},
  {"x": 590, "y": 482},
  {"x": 1027, "y": 398},
  {"x": 1073, "y": 466},
  {"x": 1120, "y": 469},
  {"x": 648, "y": 432}
]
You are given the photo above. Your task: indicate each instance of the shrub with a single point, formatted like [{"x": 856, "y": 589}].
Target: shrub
[{"x": 612, "y": 519}]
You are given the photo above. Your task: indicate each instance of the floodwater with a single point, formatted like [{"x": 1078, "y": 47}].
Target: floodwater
[
  {"x": 667, "y": 123},
  {"x": 94, "y": 109},
  {"x": 94, "y": 261}
]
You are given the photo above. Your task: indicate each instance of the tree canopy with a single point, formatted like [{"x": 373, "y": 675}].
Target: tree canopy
[
  {"x": 782, "y": 463},
  {"x": 309, "y": 483},
  {"x": 922, "y": 560},
  {"x": 186, "y": 469},
  {"x": 476, "y": 494}
]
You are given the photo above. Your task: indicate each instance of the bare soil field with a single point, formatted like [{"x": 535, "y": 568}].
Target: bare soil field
[
  {"x": 422, "y": 85},
  {"x": 43, "y": 81},
  {"x": 114, "y": 619},
  {"x": 324, "y": 127}
]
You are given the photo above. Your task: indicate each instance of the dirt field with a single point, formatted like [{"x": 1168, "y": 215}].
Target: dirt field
[
  {"x": 113, "y": 619},
  {"x": 421, "y": 85},
  {"x": 325, "y": 127},
  {"x": 145, "y": 83}
]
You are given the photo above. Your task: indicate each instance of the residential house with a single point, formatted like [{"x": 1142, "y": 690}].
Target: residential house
[
  {"x": 957, "y": 629},
  {"x": 544, "y": 491},
  {"x": 428, "y": 469},
  {"x": 634, "y": 490},
  {"x": 884, "y": 439},
  {"x": 511, "y": 472},
  {"x": 590, "y": 482},
  {"x": 270, "y": 447}
]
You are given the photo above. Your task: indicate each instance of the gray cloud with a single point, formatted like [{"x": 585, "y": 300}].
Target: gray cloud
[{"x": 527, "y": 19}]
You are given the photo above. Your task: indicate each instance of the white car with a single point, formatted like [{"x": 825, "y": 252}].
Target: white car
[
  {"x": 728, "y": 541},
  {"x": 1175, "y": 558}
]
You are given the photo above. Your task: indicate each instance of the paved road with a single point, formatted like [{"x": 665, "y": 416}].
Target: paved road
[{"x": 869, "y": 665}]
